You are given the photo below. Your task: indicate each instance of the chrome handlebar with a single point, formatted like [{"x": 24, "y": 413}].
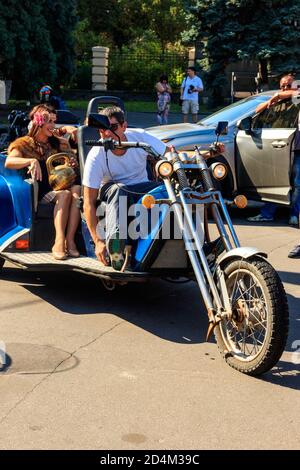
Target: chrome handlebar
[{"x": 110, "y": 144}]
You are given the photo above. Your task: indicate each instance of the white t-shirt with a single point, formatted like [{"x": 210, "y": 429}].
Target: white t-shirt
[
  {"x": 197, "y": 82},
  {"x": 128, "y": 169}
]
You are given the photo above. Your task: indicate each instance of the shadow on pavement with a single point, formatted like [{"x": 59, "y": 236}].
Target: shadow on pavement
[
  {"x": 285, "y": 374},
  {"x": 172, "y": 312}
]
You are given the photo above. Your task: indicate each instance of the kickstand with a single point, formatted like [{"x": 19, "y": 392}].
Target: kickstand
[{"x": 127, "y": 257}]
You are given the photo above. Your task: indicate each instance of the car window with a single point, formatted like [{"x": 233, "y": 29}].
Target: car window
[
  {"x": 235, "y": 111},
  {"x": 282, "y": 115}
]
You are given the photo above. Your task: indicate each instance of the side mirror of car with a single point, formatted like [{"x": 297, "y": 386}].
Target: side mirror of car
[
  {"x": 222, "y": 128},
  {"x": 245, "y": 124},
  {"x": 99, "y": 121}
]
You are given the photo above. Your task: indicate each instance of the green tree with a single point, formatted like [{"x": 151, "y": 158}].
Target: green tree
[
  {"x": 61, "y": 18},
  {"x": 123, "y": 21},
  {"x": 166, "y": 18},
  {"x": 27, "y": 56},
  {"x": 85, "y": 39},
  {"x": 230, "y": 30},
  {"x": 120, "y": 20},
  {"x": 36, "y": 43}
]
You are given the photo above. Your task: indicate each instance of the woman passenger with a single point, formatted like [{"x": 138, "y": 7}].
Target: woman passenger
[{"x": 32, "y": 151}]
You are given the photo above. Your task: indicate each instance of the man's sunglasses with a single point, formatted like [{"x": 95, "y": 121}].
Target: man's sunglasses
[
  {"x": 286, "y": 86},
  {"x": 113, "y": 127}
]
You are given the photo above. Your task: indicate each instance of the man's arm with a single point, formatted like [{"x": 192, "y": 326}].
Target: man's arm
[
  {"x": 200, "y": 85},
  {"x": 89, "y": 208},
  {"x": 159, "y": 87},
  {"x": 262, "y": 106},
  {"x": 282, "y": 95}
]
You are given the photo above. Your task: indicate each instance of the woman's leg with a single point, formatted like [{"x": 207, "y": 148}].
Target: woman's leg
[
  {"x": 61, "y": 215},
  {"x": 74, "y": 217},
  {"x": 166, "y": 115}
]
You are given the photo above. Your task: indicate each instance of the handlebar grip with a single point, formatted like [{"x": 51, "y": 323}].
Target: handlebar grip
[
  {"x": 92, "y": 143},
  {"x": 127, "y": 144}
]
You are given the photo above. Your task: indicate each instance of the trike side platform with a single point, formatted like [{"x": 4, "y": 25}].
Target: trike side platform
[{"x": 44, "y": 261}]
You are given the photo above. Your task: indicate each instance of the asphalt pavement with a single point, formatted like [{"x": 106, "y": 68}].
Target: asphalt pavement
[{"x": 130, "y": 369}]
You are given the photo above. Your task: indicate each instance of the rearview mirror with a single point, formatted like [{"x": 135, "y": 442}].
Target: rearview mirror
[
  {"x": 222, "y": 128},
  {"x": 99, "y": 121},
  {"x": 245, "y": 124}
]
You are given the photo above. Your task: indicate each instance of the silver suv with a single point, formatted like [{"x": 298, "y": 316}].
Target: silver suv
[{"x": 258, "y": 148}]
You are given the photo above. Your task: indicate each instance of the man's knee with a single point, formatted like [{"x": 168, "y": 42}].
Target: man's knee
[{"x": 116, "y": 190}]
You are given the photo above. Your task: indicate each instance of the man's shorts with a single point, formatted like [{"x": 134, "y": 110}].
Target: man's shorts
[{"x": 190, "y": 106}]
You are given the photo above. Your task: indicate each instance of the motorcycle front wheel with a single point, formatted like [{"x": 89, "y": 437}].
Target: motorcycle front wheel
[{"x": 253, "y": 339}]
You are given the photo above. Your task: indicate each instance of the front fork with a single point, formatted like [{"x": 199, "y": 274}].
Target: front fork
[{"x": 217, "y": 307}]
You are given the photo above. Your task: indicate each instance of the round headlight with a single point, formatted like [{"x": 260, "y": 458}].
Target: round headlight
[
  {"x": 219, "y": 170},
  {"x": 241, "y": 201},
  {"x": 164, "y": 169}
]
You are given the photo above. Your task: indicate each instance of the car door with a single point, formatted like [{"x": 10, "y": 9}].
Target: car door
[{"x": 263, "y": 155}]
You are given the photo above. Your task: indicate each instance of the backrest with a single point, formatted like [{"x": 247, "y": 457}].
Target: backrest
[
  {"x": 85, "y": 133},
  {"x": 102, "y": 102},
  {"x": 64, "y": 116}
]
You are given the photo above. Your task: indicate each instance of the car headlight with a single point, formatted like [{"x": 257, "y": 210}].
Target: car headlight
[
  {"x": 164, "y": 169},
  {"x": 219, "y": 170}
]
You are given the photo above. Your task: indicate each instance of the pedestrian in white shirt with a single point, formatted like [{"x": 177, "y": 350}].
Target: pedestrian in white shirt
[{"x": 190, "y": 88}]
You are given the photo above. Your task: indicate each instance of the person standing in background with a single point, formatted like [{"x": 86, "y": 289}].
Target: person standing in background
[
  {"x": 163, "y": 99},
  {"x": 190, "y": 88}
]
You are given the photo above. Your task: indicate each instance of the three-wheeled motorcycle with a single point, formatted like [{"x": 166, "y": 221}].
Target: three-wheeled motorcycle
[{"x": 244, "y": 298}]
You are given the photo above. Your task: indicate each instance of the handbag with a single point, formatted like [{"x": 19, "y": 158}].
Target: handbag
[{"x": 60, "y": 176}]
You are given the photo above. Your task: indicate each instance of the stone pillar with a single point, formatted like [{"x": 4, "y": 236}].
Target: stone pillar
[
  {"x": 100, "y": 68},
  {"x": 5, "y": 87},
  {"x": 192, "y": 52},
  {"x": 2, "y": 92}
]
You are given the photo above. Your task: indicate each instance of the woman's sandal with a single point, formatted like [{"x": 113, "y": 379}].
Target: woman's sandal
[
  {"x": 59, "y": 255},
  {"x": 73, "y": 253}
]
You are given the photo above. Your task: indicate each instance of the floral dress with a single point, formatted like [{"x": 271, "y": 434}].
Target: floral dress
[{"x": 163, "y": 103}]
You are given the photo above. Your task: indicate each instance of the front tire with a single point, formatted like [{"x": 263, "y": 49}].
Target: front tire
[{"x": 253, "y": 340}]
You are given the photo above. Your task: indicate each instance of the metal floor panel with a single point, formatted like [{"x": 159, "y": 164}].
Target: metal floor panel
[{"x": 44, "y": 261}]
